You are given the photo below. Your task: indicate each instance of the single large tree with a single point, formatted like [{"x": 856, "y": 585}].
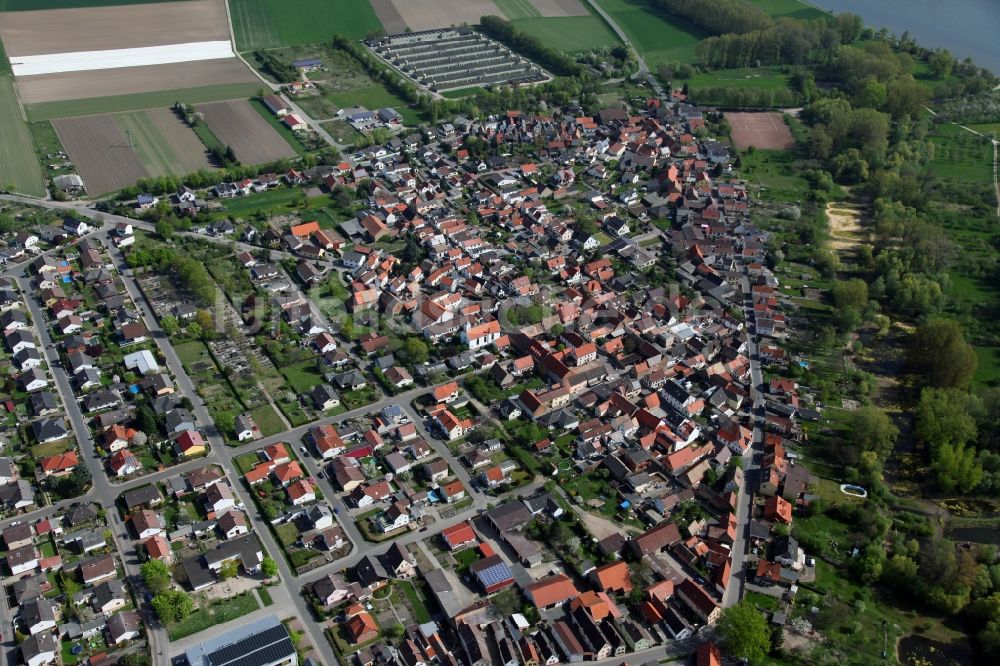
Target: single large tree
[
  {"x": 156, "y": 575},
  {"x": 745, "y": 633},
  {"x": 871, "y": 429},
  {"x": 939, "y": 352}
]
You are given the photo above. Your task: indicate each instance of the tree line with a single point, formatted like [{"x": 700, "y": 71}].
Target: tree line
[
  {"x": 718, "y": 17},
  {"x": 529, "y": 46}
]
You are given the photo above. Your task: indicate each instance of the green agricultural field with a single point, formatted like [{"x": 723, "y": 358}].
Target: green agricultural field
[
  {"x": 264, "y": 24},
  {"x": 569, "y": 33},
  {"x": 659, "y": 38},
  {"x": 153, "y": 149},
  {"x": 150, "y": 100},
  {"x": 19, "y": 168},
  {"x": 790, "y": 8}
]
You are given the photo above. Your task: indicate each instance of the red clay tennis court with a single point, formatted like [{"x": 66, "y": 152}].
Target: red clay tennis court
[{"x": 760, "y": 130}]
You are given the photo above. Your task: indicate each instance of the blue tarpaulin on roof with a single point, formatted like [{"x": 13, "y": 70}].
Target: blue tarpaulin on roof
[{"x": 624, "y": 505}]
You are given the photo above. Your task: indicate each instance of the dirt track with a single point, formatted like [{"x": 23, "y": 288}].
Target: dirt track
[
  {"x": 129, "y": 80},
  {"x": 238, "y": 124},
  {"x": 100, "y": 151}
]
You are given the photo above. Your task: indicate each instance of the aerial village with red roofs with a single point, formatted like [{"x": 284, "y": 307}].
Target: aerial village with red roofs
[{"x": 523, "y": 437}]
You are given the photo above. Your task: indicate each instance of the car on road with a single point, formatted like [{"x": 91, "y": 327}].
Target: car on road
[
  {"x": 336, "y": 510},
  {"x": 319, "y": 474},
  {"x": 303, "y": 450}
]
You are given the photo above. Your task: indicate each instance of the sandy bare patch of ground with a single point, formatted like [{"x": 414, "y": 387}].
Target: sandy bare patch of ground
[
  {"x": 118, "y": 27},
  {"x": 128, "y": 80},
  {"x": 101, "y": 153},
  {"x": 555, "y": 8},
  {"x": 600, "y": 526},
  {"x": 390, "y": 17},
  {"x": 845, "y": 226},
  {"x": 428, "y": 14},
  {"x": 760, "y": 130},
  {"x": 238, "y": 124},
  {"x": 186, "y": 146}
]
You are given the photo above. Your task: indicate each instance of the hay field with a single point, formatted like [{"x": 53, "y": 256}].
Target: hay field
[
  {"x": 100, "y": 28},
  {"x": 101, "y": 153},
  {"x": 131, "y": 80},
  {"x": 237, "y": 124},
  {"x": 427, "y": 14},
  {"x": 164, "y": 143}
]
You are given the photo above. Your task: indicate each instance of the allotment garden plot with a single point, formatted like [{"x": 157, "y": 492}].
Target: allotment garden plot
[
  {"x": 236, "y": 123},
  {"x": 451, "y": 59}
]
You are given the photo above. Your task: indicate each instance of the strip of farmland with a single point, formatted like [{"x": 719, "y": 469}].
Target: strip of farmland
[
  {"x": 252, "y": 139},
  {"x": 428, "y": 14},
  {"x": 131, "y": 80},
  {"x": 97, "y": 28},
  {"x": 164, "y": 144},
  {"x": 82, "y": 61},
  {"x": 101, "y": 153},
  {"x": 119, "y": 103},
  {"x": 18, "y": 165}
]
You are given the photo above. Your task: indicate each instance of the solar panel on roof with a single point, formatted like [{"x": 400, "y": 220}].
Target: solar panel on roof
[
  {"x": 260, "y": 649},
  {"x": 498, "y": 573}
]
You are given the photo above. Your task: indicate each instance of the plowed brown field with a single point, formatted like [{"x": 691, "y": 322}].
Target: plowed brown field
[
  {"x": 101, "y": 153},
  {"x": 237, "y": 124}
]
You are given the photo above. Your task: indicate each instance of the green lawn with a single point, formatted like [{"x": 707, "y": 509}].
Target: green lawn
[
  {"x": 267, "y": 420},
  {"x": 50, "y": 448},
  {"x": 766, "y": 78},
  {"x": 217, "y": 613},
  {"x": 134, "y": 102},
  {"x": 659, "y": 38},
  {"x": 265, "y": 596},
  {"x": 287, "y": 533},
  {"x": 302, "y": 377},
  {"x": 987, "y": 128},
  {"x": 262, "y": 24},
  {"x": 47, "y": 144},
  {"x": 771, "y": 169},
  {"x": 462, "y": 92},
  {"x": 415, "y": 601},
  {"x": 566, "y": 33},
  {"x": 19, "y": 168},
  {"x": 246, "y": 462},
  {"x": 376, "y": 96}
]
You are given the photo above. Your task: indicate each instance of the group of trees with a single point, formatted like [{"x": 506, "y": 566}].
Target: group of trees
[
  {"x": 718, "y": 17},
  {"x": 530, "y": 46},
  {"x": 281, "y": 70},
  {"x": 190, "y": 273}
]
